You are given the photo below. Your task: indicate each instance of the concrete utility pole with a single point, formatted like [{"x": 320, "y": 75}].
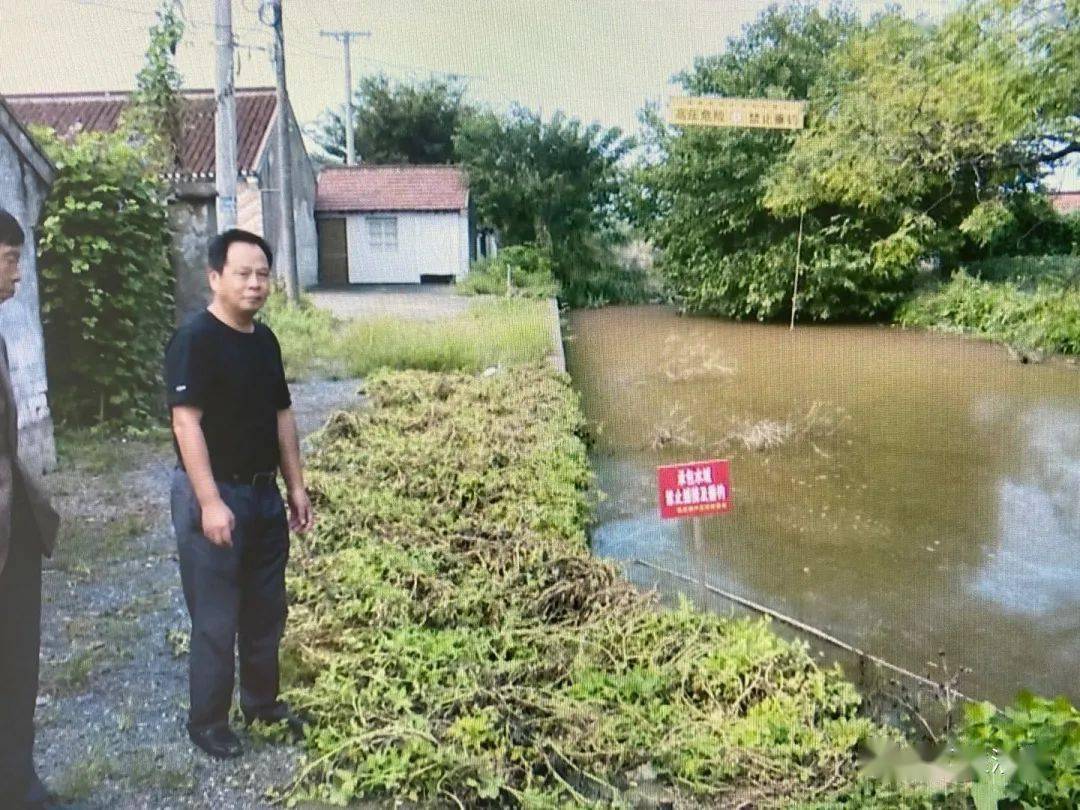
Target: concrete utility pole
[
  {"x": 346, "y": 39},
  {"x": 225, "y": 120},
  {"x": 287, "y": 254}
]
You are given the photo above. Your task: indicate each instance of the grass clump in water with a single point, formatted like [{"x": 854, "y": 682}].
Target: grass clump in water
[{"x": 457, "y": 644}]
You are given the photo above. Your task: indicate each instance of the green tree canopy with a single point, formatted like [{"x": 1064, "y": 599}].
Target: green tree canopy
[
  {"x": 940, "y": 131},
  {"x": 698, "y": 191},
  {"x": 554, "y": 184},
  {"x": 541, "y": 182},
  {"x": 920, "y": 140},
  {"x": 398, "y": 122}
]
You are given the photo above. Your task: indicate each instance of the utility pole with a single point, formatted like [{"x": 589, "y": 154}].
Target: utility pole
[
  {"x": 225, "y": 120},
  {"x": 345, "y": 37},
  {"x": 287, "y": 257}
]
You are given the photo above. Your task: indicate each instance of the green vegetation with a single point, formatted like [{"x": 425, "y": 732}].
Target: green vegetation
[
  {"x": 527, "y": 266},
  {"x": 1033, "y": 304},
  {"x": 397, "y": 122},
  {"x": 452, "y": 635},
  {"x": 922, "y": 141},
  {"x": 106, "y": 285},
  {"x": 491, "y": 332},
  {"x": 105, "y": 279},
  {"x": 94, "y": 451},
  {"x": 554, "y": 184},
  {"x": 310, "y": 337},
  {"x": 699, "y": 196},
  {"x": 1038, "y": 741},
  {"x": 154, "y": 115}
]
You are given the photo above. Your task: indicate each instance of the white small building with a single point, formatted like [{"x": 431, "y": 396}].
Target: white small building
[{"x": 395, "y": 225}]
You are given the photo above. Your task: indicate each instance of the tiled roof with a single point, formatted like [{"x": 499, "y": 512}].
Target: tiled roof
[
  {"x": 391, "y": 188},
  {"x": 1065, "y": 202},
  {"x": 28, "y": 150},
  {"x": 100, "y": 112}
]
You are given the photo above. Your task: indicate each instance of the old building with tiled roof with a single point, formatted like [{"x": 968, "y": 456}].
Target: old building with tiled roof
[
  {"x": 396, "y": 224},
  {"x": 193, "y": 207},
  {"x": 26, "y": 175}
]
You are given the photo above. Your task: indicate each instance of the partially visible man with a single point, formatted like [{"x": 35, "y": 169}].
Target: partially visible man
[
  {"x": 234, "y": 427},
  {"x": 28, "y": 526}
]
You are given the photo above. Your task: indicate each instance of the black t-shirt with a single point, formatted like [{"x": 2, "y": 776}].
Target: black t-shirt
[{"x": 238, "y": 380}]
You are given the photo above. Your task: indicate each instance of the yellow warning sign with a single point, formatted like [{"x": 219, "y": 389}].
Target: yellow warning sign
[{"x": 714, "y": 111}]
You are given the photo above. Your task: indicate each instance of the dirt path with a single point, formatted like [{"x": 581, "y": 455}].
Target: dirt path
[{"x": 113, "y": 696}]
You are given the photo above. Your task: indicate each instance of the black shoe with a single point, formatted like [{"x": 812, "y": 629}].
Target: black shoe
[
  {"x": 218, "y": 741},
  {"x": 295, "y": 723}
]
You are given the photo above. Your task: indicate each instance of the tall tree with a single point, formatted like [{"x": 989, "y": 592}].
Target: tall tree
[
  {"x": 940, "y": 133},
  {"x": 541, "y": 182},
  {"x": 153, "y": 117},
  {"x": 697, "y": 191},
  {"x": 398, "y": 122}
]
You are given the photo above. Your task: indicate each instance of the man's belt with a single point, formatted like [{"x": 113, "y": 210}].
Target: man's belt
[{"x": 249, "y": 478}]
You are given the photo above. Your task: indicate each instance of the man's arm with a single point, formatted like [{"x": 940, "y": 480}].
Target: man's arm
[
  {"x": 217, "y": 519},
  {"x": 301, "y": 516}
]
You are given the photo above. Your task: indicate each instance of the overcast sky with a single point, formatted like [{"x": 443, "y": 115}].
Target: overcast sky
[{"x": 597, "y": 60}]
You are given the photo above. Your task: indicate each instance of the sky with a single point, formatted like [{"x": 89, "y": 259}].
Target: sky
[{"x": 596, "y": 60}]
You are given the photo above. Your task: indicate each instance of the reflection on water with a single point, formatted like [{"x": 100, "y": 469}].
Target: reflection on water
[
  {"x": 1032, "y": 572},
  {"x": 904, "y": 491}
]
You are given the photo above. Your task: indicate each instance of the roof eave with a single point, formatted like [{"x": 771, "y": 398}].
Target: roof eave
[{"x": 26, "y": 145}]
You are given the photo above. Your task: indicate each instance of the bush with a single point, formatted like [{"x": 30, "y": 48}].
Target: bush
[
  {"x": 590, "y": 276},
  {"x": 1030, "y": 272},
  {"x": 105, "y": 281},
  {"x": 528, "y": 266},
  {"x": 1046, "y": 317},
  {"x": 1033, "y": 227},
  {"x": 844, "y": 275}
]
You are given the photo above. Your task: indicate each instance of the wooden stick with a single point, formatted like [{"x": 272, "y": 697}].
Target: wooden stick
[{"x": 798, "y": 251}]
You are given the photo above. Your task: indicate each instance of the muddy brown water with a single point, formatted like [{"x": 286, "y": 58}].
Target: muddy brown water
[{"x": 910, "y": 493}]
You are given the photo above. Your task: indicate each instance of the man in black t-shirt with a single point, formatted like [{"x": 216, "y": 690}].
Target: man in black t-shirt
[{"x": 233, "y": 427}]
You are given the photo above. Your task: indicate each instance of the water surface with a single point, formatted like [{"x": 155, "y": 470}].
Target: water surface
[{"x": 907, "y": 492}]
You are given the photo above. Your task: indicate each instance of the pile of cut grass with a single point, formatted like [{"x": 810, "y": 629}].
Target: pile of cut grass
[{"x": 456, "y": 643}]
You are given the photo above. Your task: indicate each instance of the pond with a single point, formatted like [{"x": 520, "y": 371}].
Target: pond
[{"x": 909, "y": 493}]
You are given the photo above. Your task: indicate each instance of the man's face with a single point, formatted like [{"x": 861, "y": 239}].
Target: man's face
[
  {"x": 244, "y": 282},
  {"x": 9, "y": 270}
]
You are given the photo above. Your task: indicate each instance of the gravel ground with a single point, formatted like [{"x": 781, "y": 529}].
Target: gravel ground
[{"x": 113, "y": 696}]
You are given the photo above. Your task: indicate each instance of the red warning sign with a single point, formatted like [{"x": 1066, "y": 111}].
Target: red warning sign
[{"x": 694, "y": 488}]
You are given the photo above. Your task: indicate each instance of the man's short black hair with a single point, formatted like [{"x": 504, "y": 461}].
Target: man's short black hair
[
  {"x": 11, "y": 232},
  {"x": 219, "y": 247}
]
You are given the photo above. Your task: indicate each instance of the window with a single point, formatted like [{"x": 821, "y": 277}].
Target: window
[{"x": 382, "y": 233}]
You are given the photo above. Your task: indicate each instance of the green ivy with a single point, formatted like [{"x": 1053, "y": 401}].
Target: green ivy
[
  {"x": 153, "y": 118},
  {"x": 105, "y": 280}
]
